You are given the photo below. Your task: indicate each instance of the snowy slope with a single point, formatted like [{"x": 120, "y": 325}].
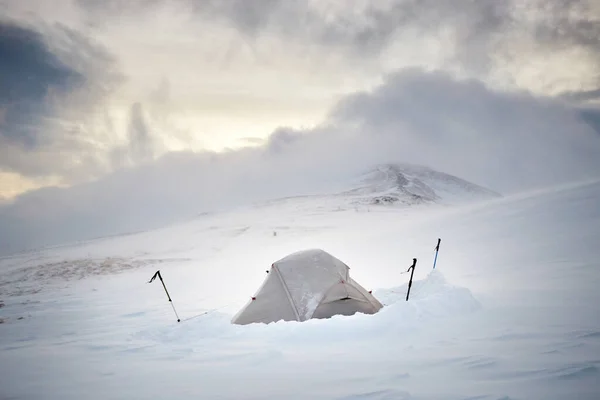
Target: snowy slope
[
  {"x": 399, "y": 185},
  {"x": 510, "y": 313}
]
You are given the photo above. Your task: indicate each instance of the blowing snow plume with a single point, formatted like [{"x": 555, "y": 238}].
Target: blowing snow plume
[{"x": 508, "y": 142}]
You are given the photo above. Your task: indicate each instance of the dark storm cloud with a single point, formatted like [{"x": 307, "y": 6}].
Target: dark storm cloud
[
  {"x": 363, "y": 28},
  {"x": 52, "y": 80},
  {"x": 592, "y": 117},
  {"x": 570, "y": 22},
  {"x": 249, "y": 16},
  {"x": 582, "y": 96},
  {"x": 29, "y": 74},
  {"x": 355, "y": 26}
]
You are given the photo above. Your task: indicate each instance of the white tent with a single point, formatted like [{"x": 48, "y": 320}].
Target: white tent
[{"x": 304, "y": 285}]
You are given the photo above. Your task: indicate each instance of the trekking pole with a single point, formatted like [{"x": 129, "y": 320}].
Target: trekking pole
[
  {"x": 437, "y": 248},
  {"x": 157, "y": 273},
  {"x": 412, "y": 267}
]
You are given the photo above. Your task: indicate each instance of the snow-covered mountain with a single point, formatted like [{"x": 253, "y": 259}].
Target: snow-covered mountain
[
  {"x": 408, "y": 184},
  {"x": 398, "y": 185}
]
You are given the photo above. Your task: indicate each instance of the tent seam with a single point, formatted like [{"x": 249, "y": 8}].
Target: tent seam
[
  {"x": 287, "y": 292},
  {"x": 323, "y": 297},
  {"x": 366, "y": 298},
  {"x": 346, "y": 279}
]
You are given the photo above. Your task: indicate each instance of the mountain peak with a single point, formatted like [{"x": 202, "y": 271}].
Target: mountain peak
[{"x": 409, "y": 184}]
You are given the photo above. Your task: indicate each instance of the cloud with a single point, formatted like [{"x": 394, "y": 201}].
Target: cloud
[
  {"x": 357, "y": 25},
  {"x": 53, "y": 82},
  {"x": 582, "y": 96},
  {"x": 510, "y": 141},
  {"x": 142, "y": 145},
  {"x": 220, "y": 71},
  {"x": 30, "y": 74},
  {"x": 483, "y": 39},
  {"x": 252, "y": 140},
  {"x": 569, "y": 23},
  {"x": 592, "y": 117},
  {"x": 509, "y": 42},
  {"x": 135, "y": 92},
  {"x": 507, "y": 141},
  {"x": 140, "y": 139}
]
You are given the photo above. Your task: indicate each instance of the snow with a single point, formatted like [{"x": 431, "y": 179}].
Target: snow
[{"x": 511, "y": 311}]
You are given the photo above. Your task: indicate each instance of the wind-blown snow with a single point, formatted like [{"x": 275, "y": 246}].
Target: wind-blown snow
[{"x": 511, "y": 312}]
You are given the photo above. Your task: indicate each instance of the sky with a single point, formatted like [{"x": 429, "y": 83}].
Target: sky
[{"x": 123, "y": 115}]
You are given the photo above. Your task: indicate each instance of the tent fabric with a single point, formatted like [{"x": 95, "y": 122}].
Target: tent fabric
[{"x": 304, "y": 285}]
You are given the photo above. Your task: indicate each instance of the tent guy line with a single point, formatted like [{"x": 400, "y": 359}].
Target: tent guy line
[{"x": 211, "y": 311}]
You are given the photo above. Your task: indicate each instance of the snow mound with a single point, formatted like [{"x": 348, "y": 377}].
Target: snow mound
[{"x": 431, "y": 299}]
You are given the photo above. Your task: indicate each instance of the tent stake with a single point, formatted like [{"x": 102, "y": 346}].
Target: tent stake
[
  {"x": 157, "y": 273},
  {"x": 437, "y": 248},
  {"x": 412, "y": 268}
]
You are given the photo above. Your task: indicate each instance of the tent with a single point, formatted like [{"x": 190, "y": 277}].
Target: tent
[{"x": 305, "y": 285}]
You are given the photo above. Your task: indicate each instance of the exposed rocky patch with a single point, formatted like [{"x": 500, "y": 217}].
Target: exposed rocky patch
[{"x": 34, "y": 279}]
